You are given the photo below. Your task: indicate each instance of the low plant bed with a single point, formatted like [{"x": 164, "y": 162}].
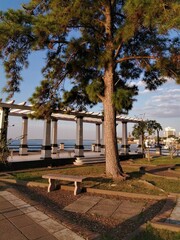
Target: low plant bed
[
  {"x": 137, "y": 183},
  {"x": 86, "y": 224},
  {"x": 151, "y": 233}
]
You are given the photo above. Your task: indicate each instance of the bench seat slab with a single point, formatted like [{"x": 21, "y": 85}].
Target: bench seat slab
[{"x": 52, "y": 178}]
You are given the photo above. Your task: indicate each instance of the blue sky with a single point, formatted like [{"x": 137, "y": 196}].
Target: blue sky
[{"x": 161, "y": 105}]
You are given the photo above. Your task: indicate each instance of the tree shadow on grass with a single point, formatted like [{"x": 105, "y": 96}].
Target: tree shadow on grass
[
  {"x": 96, "y": 181},
  {"x": 135, "y": 175}
]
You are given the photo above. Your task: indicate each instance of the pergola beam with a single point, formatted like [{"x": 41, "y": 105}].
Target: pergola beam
[{"x": 22, "y": 109}]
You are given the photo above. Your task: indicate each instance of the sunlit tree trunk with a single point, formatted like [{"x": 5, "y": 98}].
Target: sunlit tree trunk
[{"x": 113, "y": 167}]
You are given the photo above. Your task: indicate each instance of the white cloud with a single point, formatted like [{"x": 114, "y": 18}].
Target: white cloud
[
  {"x": 138, "y": 83},
  {"x": 144, "y": 91},
  {"x": 164, "y": 105}
]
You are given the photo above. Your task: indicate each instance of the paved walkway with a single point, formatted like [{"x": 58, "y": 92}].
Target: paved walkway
[
  {"x": 21, "y": 221},
  {"x": 34, "y": 156},
  {"x": 120, "y": 210},
  {"x": 174, "y": 218}
]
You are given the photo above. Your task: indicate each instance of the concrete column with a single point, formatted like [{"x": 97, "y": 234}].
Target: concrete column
[
  {"x": 23, "y": 150},
  {"x": 98, "y": 141},
  {"x": 79, "y": 148},
  {"x": 54, "y": 136},
  {"x": 46, "y": 146},
  {"x": 102, "y": 141},
  {"x": 124, "y": 146},
  {"x": 140, "y": 146}
]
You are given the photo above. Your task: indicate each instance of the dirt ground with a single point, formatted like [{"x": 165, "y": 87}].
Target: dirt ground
[{"x": 87, "y": 225}]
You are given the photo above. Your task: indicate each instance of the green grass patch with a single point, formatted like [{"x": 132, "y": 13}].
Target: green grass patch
[
  {"x": 151, "y": 233},
  {"x": 168, "y": 185},
  {"x": 177, "y": 169},
  {"x": 137, "y": 183},
  {"x": 36, "y": 175},
  {"x": 158, "y": 160}
]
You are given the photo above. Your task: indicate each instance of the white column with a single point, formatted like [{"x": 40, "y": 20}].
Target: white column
[
  {"x": 102, "y": 141},
  {"x": 124, "y": 146},
  {"x": 46, "y": 146},
  {"x": 79, "y": 148},
  {"x": 98, "y": 143},
  {"x": 23, "y": 150},
  {"x": 54, "y": 136}
]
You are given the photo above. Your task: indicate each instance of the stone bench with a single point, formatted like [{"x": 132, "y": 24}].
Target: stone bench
[{"x": 53, "y": 177}]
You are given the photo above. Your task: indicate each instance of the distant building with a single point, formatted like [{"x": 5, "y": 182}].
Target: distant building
[{"x": 169, "y": 132}]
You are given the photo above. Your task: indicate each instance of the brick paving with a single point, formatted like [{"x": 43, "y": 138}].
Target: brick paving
[{"x": 21, "y": 221}]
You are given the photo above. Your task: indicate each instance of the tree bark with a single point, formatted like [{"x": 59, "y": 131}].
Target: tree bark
[{"x": 113, "y": 168}]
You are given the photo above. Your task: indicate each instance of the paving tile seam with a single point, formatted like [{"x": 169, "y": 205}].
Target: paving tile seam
[
  {"x": 116, "y": 209},
  {"x": 18, "y": 229},
  {"x": 20, "y": 203}
]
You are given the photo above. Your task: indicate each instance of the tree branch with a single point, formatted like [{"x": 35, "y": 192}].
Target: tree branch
[
  {"x": 100, "y": 97},
  {"x": 136, "y": 57},
  {"x": 118, "y": 49}
]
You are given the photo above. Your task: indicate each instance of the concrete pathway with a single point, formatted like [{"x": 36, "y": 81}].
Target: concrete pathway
[
  {"x": 34, "y": 156},
  {"x": 174, "y": 218},
  {"x": 21, "y": 221},
  {"x": 109, "y": 208}
]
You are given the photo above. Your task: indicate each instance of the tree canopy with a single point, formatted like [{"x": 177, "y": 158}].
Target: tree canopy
[
  {"x": 148, "y": 127},
  {"x": 100, "y": 46}
]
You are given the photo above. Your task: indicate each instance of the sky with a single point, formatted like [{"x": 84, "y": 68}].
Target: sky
[{"x": 161, "y": 105}]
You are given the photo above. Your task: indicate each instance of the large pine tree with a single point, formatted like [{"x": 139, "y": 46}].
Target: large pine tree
[{"x": 100, "y": 46}]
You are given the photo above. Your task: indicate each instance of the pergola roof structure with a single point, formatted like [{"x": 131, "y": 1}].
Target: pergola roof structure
[{"x": 21, "y": 109}]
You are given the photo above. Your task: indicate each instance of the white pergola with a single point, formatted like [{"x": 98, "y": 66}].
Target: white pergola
[{"x": 23, "y": 110}]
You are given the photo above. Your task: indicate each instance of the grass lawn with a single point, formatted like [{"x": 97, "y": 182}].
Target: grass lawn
[
  {"x": 137, "y": 183},
  {"x": 151, "y": 233},
  {"x": 158, "y": 160}
]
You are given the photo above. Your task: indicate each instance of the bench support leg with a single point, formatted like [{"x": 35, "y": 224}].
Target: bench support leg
[
  {"x": 52, "y": 185},
  {"x": 78, "y": 188}
]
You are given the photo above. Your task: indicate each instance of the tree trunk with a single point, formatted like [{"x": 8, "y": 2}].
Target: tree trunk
[{"x": 113, "y": 167}]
